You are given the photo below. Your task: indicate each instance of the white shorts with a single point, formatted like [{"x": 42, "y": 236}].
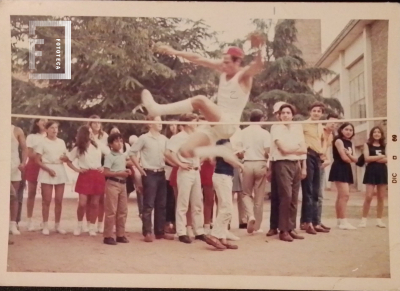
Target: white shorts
[
  {"x": 15, "y": 174},
  {"x": 218, "y": 132},
  {"x": 60, "y": 178}
]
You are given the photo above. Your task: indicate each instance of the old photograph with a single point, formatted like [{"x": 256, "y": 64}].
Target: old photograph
[{"x": 196, "y": 146}]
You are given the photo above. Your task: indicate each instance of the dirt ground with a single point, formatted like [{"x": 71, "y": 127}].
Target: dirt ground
[{"x": 359, "y": 253}]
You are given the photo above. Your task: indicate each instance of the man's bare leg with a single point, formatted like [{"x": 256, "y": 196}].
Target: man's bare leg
[{"x": 208, "y": 109}]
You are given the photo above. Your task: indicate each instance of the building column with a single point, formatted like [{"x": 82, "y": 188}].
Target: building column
[{"x": 369, "y": 100}]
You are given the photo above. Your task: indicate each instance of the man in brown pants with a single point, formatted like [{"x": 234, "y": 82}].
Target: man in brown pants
[
  {"x": 289, "y": 153},
  {"x": 256, "y": 142},
  {"x": 116, "y": 199}
]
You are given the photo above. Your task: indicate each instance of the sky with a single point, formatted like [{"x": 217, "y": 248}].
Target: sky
[{"x": 330, "y": 28}]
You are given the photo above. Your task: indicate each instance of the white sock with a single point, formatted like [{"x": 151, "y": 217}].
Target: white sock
[
  {"x": 80, "y": 224},
  {"x": 207, "y": 226},
  {"x": 379, "y": 221},
  {"x": 29, "y": 219},
  {"x": 45, "y": 225},
  {"x": 155, "y": 109},
  {"x": 364, "y": 220},
  {"x": 93, "y": 226}
]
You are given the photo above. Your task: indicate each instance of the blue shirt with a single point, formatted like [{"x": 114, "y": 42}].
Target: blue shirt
[{"x": 221, "y": 166}]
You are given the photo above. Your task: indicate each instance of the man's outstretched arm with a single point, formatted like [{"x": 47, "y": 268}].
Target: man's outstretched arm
[
  {"x": 192, "y": 57},
  {"x": 257, "y": 64}
]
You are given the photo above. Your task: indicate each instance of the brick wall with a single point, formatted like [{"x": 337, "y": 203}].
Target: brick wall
[
  {"x": 379, "y": 55},
  {"x": 309, "y": 39}
]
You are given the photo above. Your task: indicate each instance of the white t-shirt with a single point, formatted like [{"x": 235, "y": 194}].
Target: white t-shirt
[
  {"x": 255, "y": 139},
  {"x": 176, "y": 142},
  {"x": 290, "y": 135},
  {"x": 236, "y": 140},
  {"x": 103, "y": 138},
  {"x": 91, "y": 159},
  {"x": 33, "y": 140},
  {"x": 51, "y": 150}
]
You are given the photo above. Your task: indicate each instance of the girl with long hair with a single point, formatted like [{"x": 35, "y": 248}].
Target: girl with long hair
[
  {"x": 91, "y": 181},
  {"x": 52, "y": 174},
  {"x": 31, "y": 173},
  {"x": 376, "y": 174},
  {"x": 341, "y": 173},
  {"x": 100, "y": 137}
]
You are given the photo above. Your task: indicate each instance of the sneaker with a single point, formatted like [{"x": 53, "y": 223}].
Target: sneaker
[
  {"x": 258, "y": 231},
  {"x": 31, "y": 226},
  {"x": 347, "y": 226},
  {"x": 77, "y": 231},
  {"x": 100, "y": 228},
  {"x": 231, "y": 236},
  {"x": 13, "y": 228},
  {"x": 60, "y": 230},
  {"x": 380, "y": 224},
  {"x": 92, "y": 231},
  {"x": 363, "y": 223},
  {"x": 85, "y": 228},
  {"x": 45, "y": 231}
]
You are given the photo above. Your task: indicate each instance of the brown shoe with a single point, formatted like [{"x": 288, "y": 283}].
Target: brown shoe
[
  {"x": 310, "y": 230},
  {"x": 148, "y": 238},
  {"x": 319, "y": 228},
  {"x": 229, "y": 245},
  {"x": 213, "y": 241},
  {"x": 164, "y": 236},
  {"x": 325, "y": 227},
  {"x": 303, "y": 226},
  {"x": 272, "y": 232},
  {"x": 294, "y": 235},
  {"x": 284, "y": 235}
]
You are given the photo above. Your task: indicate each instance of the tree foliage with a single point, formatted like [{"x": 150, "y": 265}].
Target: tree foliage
[{"x": 113, "y": 61}]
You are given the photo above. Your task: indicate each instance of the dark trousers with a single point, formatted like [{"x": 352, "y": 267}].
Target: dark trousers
[
  {"x": 288, "y": 179},
  {"x": 20, "y": 197},
  {"x": 154, "y": 197},
  {"x": 310, "y": 189},
  {"x": 170, "y": 204},
  {"x": 274, "y": 216}
]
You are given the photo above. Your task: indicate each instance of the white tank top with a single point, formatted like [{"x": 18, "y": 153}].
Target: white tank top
[
  {"x": 231, "y": 98},
  {"x": 15, "y": 161}
]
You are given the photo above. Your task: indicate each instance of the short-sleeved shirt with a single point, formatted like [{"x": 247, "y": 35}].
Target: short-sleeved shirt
[
  {"x": 91, "y": 159},
  {"x": 151, "y": 148},
  {"x": 33, "y": 140},
  {"x": 222, "y": 167},
  {"x": 255, "y": 140},
  {"x": 51, "y": 150},
  {"x": 115, "y": 161},
  {"x": 176, "y": 142},
  {"x": 313, "y": 136},
  {"x": 290, "y": 135},
  {"x": 103, "y": 138}
]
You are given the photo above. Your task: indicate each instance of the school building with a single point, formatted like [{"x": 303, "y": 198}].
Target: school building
[{"x": 358, "y": 56}]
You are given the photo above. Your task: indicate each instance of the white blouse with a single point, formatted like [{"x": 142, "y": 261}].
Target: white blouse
[
  {"x": 51, "y": 150},
  {"x": 33, "y": 140},
  {"x": 91, "y": 159}
]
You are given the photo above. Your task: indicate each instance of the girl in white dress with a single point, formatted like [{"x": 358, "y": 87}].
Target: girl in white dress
[
  {"x": 50, "y": 155},
  {"x": 38, "y": 132},
  {"x": 100, "y": 137},
  {"x": 91, "y": 180}
]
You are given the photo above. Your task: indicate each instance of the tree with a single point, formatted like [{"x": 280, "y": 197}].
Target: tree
[
  {"x": 286, "y": 76},
  {"x": 112, "y": 62}
]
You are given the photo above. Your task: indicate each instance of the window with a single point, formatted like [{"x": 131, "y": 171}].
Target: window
[
  {"x": 335, "y": 88},
  {"x": 358, "y": 107}
]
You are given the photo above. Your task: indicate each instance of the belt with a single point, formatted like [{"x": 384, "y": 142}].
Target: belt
[
  {"x": 154, "y": 170},
  {"x": 121, "y": 181},
  {"x": 314, "y": 153}
]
